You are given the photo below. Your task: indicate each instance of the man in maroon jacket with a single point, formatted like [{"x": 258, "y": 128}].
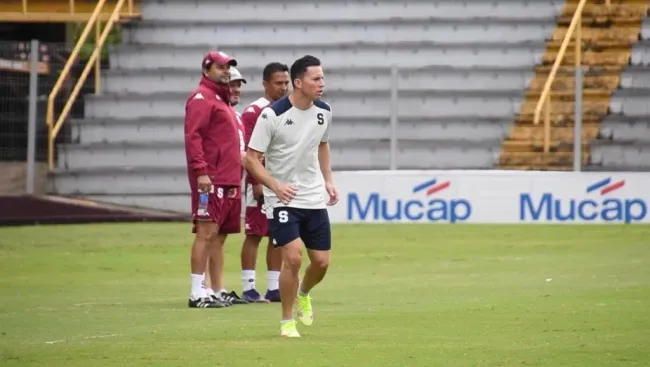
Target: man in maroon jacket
[{"x": 212, "y": 147}]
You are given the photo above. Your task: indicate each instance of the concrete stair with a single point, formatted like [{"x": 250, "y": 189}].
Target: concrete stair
[{"x": 608, "y": 35}]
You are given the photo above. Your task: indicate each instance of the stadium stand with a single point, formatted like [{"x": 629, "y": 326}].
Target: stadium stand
[
  {"x": 463, "y": 67},
  {"x": 608, "y": 36},
  {"x": 469, "y": 73},
  {"x": 624, "y": 140}
]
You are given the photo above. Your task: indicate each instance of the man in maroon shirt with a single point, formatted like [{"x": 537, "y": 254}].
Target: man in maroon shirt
[
  {"x": 276, "y": 85},
  {"x": 213, "y": 153},
  {"x": 236, "y": 83}
]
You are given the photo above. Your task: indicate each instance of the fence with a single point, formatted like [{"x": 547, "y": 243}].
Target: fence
[
  {"x": 26, "y": 79},
  {"x": 503, "y": 197}
]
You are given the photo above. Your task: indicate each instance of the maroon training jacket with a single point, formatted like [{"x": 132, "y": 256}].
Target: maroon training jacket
[{"x": 212, "y": 144}]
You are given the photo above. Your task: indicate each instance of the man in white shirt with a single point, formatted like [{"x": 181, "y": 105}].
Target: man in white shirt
[{"x": 293, "y": 137}]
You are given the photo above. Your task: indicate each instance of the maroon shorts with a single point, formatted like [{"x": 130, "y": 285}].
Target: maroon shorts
[
  {"x": 224, "y": 209},
  {"x": 256, "y": 222}
]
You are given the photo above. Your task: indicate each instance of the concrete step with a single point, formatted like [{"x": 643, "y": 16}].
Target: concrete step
[
  {"x": 566, "y": 83},
  {"x": 641, "y": 52},
  {"x": 619, "y": 128},
  {"x": 350, "y": 103},
  {"x": 627, "y": 9},
  {"x": 631, "y": 102},
  {"x": 204, "y": 10},
  {"x": 525, "y": 146},
  {"x": 535, "y": 167},
  {"x": 349, "y": 154},
  {"x": 621, "y": 153},
  {"x": 316, "y": 32},
  {"x": 618, "y": 34},
  {"x": 635, "y": 77},
  {"x": 341, "y": 79},
  {"x": 178, "y": 203},
  {"x": 335, "y": 55},
  {"x": 565, "y": 109},
  {"x": 471, "y": 128},
  {"x": 598, "y": 57},
  {"x": 122, "y": 181},
  {"x": 558, "y": 134},
  {"x": 595, "y": 94},
  {"x": 429, "y": 78},
  {"x": 539, "y": 159}
]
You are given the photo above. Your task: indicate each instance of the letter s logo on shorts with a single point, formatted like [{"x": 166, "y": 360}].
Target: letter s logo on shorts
[
  {"x": 220, "y": 193},
  {"x": 283, "y": 216}
]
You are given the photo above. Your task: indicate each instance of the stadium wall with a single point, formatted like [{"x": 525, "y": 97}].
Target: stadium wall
[{"x": 508, "y": 197}]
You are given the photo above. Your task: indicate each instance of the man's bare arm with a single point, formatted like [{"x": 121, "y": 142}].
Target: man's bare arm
[
  {"x": 285, "y": 192},
  {"x": 253, "y": 163},
  {"x": 325, "y": 161}
]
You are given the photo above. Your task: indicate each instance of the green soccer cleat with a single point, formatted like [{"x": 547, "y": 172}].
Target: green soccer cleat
[
  {"x": 289, "y": 330},
  {"x": 305, "y": 312}
]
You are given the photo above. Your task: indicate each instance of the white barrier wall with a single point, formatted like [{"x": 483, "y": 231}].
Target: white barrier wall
[{"x": 491, "y": 197}]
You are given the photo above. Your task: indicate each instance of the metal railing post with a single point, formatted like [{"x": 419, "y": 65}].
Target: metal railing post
[
  {"x": 394, "y": 81},
  {"x": 31, "y": 117},
  {"x": 577, "y": 106},
  {"x": 98, "y": 62},
  {"x": 577, "y": 138}
]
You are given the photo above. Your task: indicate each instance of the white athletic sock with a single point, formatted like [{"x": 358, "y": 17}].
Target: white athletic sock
[
  {"x": 272, "y": 280},
  {"x": 209, "y": 292},
  {"x": 248, "y": 280},
  {"x": 198, "y": 289}
]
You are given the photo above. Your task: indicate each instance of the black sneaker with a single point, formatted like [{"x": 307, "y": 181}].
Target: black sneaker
[
  {"x": 203, "y": 302},
  {"x": 220, "y": 300},
  {"x": 233, "y": 298}
]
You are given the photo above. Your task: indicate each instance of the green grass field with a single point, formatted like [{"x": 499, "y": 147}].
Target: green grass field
[{"x": 420, "y": 295}]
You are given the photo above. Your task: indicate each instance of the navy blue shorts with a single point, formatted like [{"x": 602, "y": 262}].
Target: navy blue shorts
[{"x": 310, "y": 225}]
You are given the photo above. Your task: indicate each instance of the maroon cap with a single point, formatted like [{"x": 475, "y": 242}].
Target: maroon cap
[{"x": 217, "y": 57}]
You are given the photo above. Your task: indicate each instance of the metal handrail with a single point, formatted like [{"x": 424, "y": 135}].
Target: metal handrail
[
  {"x": 71, "y": 15},
  {"x": 544, "y": 101},
  {"x": 54, "y": 126}
]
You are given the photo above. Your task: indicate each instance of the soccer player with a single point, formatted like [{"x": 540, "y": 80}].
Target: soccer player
[
  {"x": 276, "y": 84},
  {"x": 216, "y": 288},
  {"x": 293, "y": 135},
  {"x": 213, "y": 156}
]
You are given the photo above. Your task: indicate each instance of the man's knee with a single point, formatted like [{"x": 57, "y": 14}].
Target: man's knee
[
  {"x": 252, "y": 240},
  {"x": 205, "y": 230},
  {"x": 292, "y": 255},
  {"x": 217, "y": 239},
  {"x": 320, "y": 259}
]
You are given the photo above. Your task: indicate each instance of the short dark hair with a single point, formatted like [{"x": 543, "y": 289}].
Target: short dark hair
[
  {"x": 273, "y": 67},
  {"x": 300, "y": 66}
]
